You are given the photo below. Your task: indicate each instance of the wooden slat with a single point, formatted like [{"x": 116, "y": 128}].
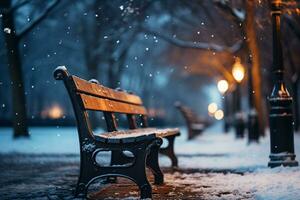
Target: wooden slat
[
  {"x": 101, "y": 91},
  {"x": 99, "y": 104}
]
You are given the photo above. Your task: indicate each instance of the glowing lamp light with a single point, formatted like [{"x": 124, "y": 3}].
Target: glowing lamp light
[
  {"x": 238, "y": 70},
  {"x": 53, "y": 112},
  {"x": 212, "y": 108},
  {"x": 223, "y": 86},
  {"x": 219, "y": 114}
]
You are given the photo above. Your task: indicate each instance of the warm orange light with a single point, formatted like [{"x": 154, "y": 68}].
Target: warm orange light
[
  {"x": 223, "y": 86},
  {"x": 54, "y": 112},
  {"x": 212, "y": 108},
  {"x": 219, "y": 114},
  {"x": 238, "y": 70}
]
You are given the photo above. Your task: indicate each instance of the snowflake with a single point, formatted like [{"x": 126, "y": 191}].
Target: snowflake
[{"x": 7, "y": 30}]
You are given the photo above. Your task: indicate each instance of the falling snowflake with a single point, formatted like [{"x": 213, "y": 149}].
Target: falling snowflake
[
  {"x": 7, "y": 30},
  {"x": 121, "y": 7}
]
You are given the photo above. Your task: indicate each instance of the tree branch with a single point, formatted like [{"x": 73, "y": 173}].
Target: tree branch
[
  {"x": 38, "y": 19},
  {"x": 293, "y": 25},
  {"x": 194, "y": 45},
  {"x": 237, "y": 15},
  {"x": 19, "y": 5}
]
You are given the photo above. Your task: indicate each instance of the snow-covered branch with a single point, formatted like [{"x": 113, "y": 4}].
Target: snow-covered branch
[
  {"x": 238, "y": 15},
  {"x": 38, "y": 19},
  {"x": 194, "y": 45}
]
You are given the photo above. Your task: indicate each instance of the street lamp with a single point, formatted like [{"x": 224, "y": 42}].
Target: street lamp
[
  {"x": 219, "y": 114},
  {"x": 238, "y": 70},
  {"x": 212, "y": 108},
  {"x": 238, "y": 73},
  {"x": 252, "y": 125},
  {"x": 280, "y": 115},
  {"x": 223, "y": 86}
]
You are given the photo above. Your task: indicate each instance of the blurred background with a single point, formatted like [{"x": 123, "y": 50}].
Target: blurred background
[{"x": 164, "y": 51}]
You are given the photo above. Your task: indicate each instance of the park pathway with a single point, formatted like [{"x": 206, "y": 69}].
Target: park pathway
[{"x": 214, "y": 166}]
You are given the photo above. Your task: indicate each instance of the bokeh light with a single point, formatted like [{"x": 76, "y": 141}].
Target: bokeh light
[
  {"x": 238, "y": 70},
  {"x": 219, "y": 114},
  {"x": 223, "y": 86},
  {"x": 212, "y": 108}
]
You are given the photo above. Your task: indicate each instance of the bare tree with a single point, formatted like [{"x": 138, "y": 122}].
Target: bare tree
[{"x": 12, "y": 40}]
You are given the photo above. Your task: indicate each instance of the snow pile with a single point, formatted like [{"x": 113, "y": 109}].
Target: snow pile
[{"x": 267, "y": 184}]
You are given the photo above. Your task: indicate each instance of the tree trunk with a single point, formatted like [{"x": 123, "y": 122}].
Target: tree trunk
[
  {"x": 296, "y": 104},
  {"x": 256, "y": 73},
  {"x": 14, "y": 63}
]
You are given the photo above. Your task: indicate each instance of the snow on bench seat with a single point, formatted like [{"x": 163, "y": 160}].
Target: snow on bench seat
[{"x": 135, "y": 135}]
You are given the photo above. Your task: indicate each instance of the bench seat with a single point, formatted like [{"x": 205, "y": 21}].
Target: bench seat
[
  {"x": 136, "y": 135},
  {"x": 143, "y": 142}
]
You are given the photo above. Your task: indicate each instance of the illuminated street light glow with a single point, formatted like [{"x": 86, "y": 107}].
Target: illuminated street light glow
[
  {"x": 238, "y": 70},
  {"x": 212, "y": 108},
  {"x": 54, "y": 112},
  {"x": 219, "y": 114},
  {"x": 223, "y": 86}
]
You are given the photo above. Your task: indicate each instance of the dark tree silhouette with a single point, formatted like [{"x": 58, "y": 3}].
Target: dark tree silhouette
[{"x": 12, "y": 43}]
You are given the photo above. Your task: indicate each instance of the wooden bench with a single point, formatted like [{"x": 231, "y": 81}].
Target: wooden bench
[
  {"x": 131, "y": 150},
  {"x": 194, "y": 123}
]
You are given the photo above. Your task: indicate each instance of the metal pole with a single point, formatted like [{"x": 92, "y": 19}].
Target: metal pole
[
  {"x": 253, "y": 127},
  {"x": 226, "y": 113},
  {"x": 281, "y": 115},
  {"x": 239, "y": 121}
]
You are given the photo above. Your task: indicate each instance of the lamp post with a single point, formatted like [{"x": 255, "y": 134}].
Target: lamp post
[
  {"x": 238, "y": 72},
  {"x": 280, "y": 116},
  {"x": 253, "y": 127},
  {"x": 223, "y": 87}
]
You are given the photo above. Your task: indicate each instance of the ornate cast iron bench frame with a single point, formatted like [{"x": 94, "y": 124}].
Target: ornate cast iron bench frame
[{"x": 143, "y": 143}]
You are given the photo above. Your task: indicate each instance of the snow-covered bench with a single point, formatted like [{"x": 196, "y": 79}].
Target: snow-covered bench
[
  {"x": 131, "y": 150},
  {"x": 194, "y": 123}
]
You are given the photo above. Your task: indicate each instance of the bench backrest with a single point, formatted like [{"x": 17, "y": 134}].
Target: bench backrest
[
  {"x": 90, "y": 95},
  {"x": 97, "y": 97}
]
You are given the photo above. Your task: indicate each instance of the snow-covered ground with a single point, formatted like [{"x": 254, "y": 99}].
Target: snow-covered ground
[{"x": 221, "y": 164}]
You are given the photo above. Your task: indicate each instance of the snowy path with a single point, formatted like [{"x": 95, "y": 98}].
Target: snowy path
[{"x": 213, "y": 166}]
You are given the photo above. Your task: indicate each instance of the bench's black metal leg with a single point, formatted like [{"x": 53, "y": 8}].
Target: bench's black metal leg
[
  {"x": 117, "y": 158},
  {"x": 86, "y": 174},
  {"x": 169, "y": 150},
  {"x": 153, "y": 164},
  {"x": 139, "y": 173}
]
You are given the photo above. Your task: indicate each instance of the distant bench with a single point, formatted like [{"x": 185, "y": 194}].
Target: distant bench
[
  {"x": 131, "y": 150},
  {"x": 194, "y": 123}
]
